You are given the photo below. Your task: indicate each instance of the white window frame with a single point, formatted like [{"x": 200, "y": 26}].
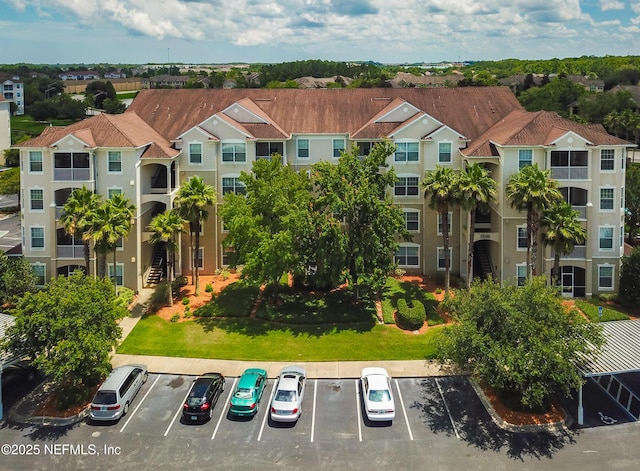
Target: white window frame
[
  {"x": 114, "y": 190},
  {"x": 192, "y": 154},
  {"x": 439, "y": 223},
  {"x": 601, "y": 238},
  {"x": 411, "y": 211},
  {"x": 612, "y": 199},
  {"x": 613, "y": 272},
  {"x": 402, "y": 156},
  {"x": 339, "y": 148},
  {"x": 31, "y": 200},
  {"x": 235, "y": 154},
  {"x": 36, "y": 267},
  {"x": 223, "y": 253},
  {"x": 408, "y": 245},
  {"x": 609, "y": 158},
  {"x": 445, "y": 162},
  {"x": 31, "y": 237},
  {"x": 404, "y": 177},
  {"x": 110, "y": 154},
  {"x": 201, "y": 258},
  {"x": 521, "y": 267},
  {"x": 525, "y": 161},
  {"x": 119, "y": 277},
  {"x": 521, "y": 227},
  {"x": 236, "y": 183},
  {"x": 441, "y": 250},
  {"x": 303, "y": 147},
  {"x": 32, "y": 154}
]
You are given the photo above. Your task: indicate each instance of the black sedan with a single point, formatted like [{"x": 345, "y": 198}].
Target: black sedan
[{"x": 202, "y": 398}]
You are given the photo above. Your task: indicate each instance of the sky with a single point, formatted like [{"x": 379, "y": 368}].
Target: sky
[{"x": 265, "y": 31}]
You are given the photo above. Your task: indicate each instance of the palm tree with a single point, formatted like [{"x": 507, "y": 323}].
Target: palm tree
[
  {"x": 193, "y": 199},
  {"x": 164, "y": 228},
  {"x": 532, "y": 190},
  {"x": 563, "y": 232},
  {"x": 111, "y": 223},
  {"x": 477, "y": 191},
  {"x": 442, "y": 186},
  {"x": 77, "y": 214}
]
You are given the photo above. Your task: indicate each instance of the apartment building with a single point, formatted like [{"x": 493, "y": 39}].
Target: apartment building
[
  {"x": 13, "y": 90},
  {"x": 166, "y": 136}
]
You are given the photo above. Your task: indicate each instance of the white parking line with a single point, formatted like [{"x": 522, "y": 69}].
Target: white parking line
[
  {"x": 138, "y": 406},
  {"x": 224, "y": 407},
  {"x": 266, "y": 412},
  {"x": 178, "y": 412},
  {"x": 447, "y": 408},
  {"x": 404, "y": 412},
  {"x": 359, "y": 412},
  {"x": 313, "y": 412}
]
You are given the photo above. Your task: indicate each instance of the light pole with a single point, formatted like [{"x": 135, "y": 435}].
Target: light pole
[{"x": 46, "y": 92}]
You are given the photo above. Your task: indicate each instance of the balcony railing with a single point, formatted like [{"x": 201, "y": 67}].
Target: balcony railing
[
  {"x": 71, "y": 174},
  {"x": 70, "y": 251},
  {"x": 578, "y": 252},
  {"x": 569, "y": 173},
  {"x": 582, "y": 211}
]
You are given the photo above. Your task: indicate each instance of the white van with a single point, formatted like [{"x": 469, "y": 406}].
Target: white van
[{"x": 117, "y": 392}]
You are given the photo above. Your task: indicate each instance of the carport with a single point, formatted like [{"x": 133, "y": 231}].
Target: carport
[
  {"x": 5, "y": 359},
  {"x": 620, "y": 354}
]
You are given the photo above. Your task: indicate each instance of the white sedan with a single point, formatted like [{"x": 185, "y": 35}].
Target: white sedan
[
  {"x": 376, "y": 391},
  {"x": 286, "y": 405}
]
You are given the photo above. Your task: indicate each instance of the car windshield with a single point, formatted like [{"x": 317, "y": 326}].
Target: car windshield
[
  {"x": 379, "y": 395},
  {"x": 285, "y": 396},
  {"x": 105, "y": 397},
  {"x": 244, "y": 393}
]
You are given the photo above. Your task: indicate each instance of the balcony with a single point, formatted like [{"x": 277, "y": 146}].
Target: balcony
[
  {"x": 71, "y": 174},
  {"x": 70, "y": 251},
  {"x": 579, "y": 252},
  {"x": 569, "y": 173}
]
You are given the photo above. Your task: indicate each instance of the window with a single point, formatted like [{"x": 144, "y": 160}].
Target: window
[
  {"x": 606, "y": 198},
  {"x": 569, "y": 165},
  {"x": 407, "y": 256},
  {"x": 39, "y": 270},
  {"x": 444, "y": 152},
  {"x": 227, "y": 255},
  {"x": 622, "y": 237},
  {"x": 115, "y": 161},
  {"x": 406, "y": 186},
  {"x": 302, "y": 148},
  {"x": 406, "y": 152},
  {"x": 71, "y": 166},
  {"x": 35, "y": 161},
  {"x": 338, "y": 147},
  {"x": 605, "y": 277},
  {"x": 441, "y": 260},
  {"x": 607, "y": 159},
  {"x": 606, "y": 238},
  {"x": 622, "y": 198},
  {"x": 199, "y": 261},
  {"x": 195, "y": 153},
  {"x": 234, "y": 152},
  {"x": 119, "y": 273},
  {"x": 364, "y": 148},
  {"x": 37, "y": 237},
  {"x": 525, "y": 157},
  {"x": 36, "y": 199},
  {"x": 523, "y": 240},
  {"x": 449, "y": 218},
  {"x": 412, "y": 220},
  {"x": 521, "y": 273},
  {"x": 233, "y": 185},
  {"x": 111, "y": 192},
  {"x": 264, "y": 150}
]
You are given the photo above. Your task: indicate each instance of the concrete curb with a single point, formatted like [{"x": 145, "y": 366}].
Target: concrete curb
[{"x": 500, "y": 422}]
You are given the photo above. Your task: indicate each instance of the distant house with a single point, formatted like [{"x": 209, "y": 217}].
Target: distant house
[
  {"x": 590, "y": 84},
  {"x": 80, "y": 75},
  {"x": 633, "y": 89},
  {"x": 5, "y": 127},
  {"x": 164, "y": 81},
  {"x": 407, "y": 80},
  {"x": 115, "y": 75},
  {"x": 313, "y": 82},
  {"x": 516, "y": 82}
]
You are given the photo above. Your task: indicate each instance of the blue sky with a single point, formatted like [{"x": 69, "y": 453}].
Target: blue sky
[{"x": 388, "y": 31}]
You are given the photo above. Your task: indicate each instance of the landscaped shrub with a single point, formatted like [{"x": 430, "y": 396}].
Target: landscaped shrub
[
  {"x": 209, "y": 288},
  {"x": 178, "y": 283},
  {"x": 606, "y": 297},
  {"x": 236, "y": 300},
  {"x": 175, "y": 317},
  {"x": 410, "y": 318},
  {"x": 125, "y": 296},
  {"x": 186, "y": 301},
  {"x": 160, "y": 295}
]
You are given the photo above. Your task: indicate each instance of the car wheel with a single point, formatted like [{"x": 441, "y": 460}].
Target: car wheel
[
  {"x": 145, "y": 377},
  {"x": 125, "y": 409},
  {"x": 210, "y": 413}
]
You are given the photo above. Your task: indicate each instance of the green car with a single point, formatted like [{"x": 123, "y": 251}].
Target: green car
[{"x": 244, "y": 401}]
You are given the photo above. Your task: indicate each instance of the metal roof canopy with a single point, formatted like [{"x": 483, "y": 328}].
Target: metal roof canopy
[
  {"x": 621, "y": 352},
  {"x": 6, "y": 359}
]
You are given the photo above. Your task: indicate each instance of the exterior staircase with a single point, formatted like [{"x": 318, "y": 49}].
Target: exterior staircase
[
  {"x": 158, "y": 265},
  {"x": 482, "y": 266}
]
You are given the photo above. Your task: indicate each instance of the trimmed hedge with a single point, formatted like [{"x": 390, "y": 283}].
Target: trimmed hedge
[{"x": 410, "y": 318}]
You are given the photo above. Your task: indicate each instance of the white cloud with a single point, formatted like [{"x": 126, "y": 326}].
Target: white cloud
[{"x": 611, "y": 5}]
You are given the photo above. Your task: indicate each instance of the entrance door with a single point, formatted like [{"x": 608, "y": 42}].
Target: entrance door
[{"x": 567, "y": 283}]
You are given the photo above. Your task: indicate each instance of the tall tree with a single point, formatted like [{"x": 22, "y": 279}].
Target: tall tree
[
  {"x": 477, "y": 191},
  {"x": 77, "y": 218},
  {"x": 632, "y": 200},
  {"x": 562, "y": 232},
  {"x": 532, "y": 190},
  {"x": 16, "y": 279},
  {"x": 442, "y": 187},
  {"x": 194, "y": 197},
  {"x": 164, "y": 228}
]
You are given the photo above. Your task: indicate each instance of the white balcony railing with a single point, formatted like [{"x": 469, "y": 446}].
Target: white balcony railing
[{"x": 70, "y": 251}]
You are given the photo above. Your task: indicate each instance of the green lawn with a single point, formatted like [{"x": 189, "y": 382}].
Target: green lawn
[
  {"x": 590, "y": 308},
  {"x": 254, "y": 339}
]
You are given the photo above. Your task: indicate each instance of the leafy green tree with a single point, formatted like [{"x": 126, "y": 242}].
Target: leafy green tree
[
  {"x": 113, "y": 106},
  {"x": 194, "y": 197},
  {"x": 595, "y": 107},
  {"x": 356, "y": 191},
  {"x": 98, "y": 91},
  {"x": 12, "y": 157},
  {"x": 532, "y": 190},
  {"x": 164, "y": 227},
  {"x": 68, "y": 329},
  {"x": 442, "y": 187},
  {"x": 77, "y": 218},
  {"x": 556, "y": 96},
  {"x": 10, "y": 182},
  {"x": 16, "y": 279},
  {"x": 562, "y": 231},
  {"x": 624, "y": 124},
  {"x": 519, "y": 340},
  {"x": 477, "y": 191},
  {"x": 630, "y": 278},
  {"x": 632, "y": 200}
]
